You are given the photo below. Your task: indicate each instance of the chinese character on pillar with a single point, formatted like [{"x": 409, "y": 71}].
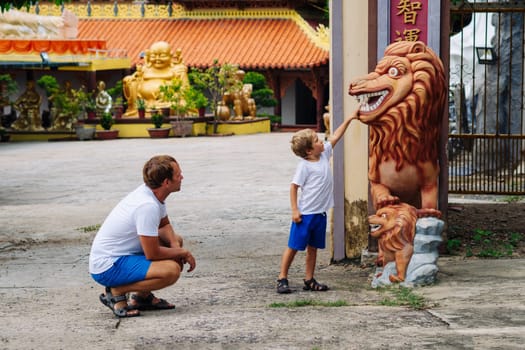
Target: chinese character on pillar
[{"x": 408, "y": 20}]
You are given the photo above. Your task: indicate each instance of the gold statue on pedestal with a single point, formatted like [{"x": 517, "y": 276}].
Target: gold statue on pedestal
[
  {"x": 160, "y": 67},
  {"x": 239, "y": 95},
  {"x": 28, "y": 105},
  {"x": 60, "y": 112},
  {"x": 326, "y": 121},
  {"x": 103, "y": 100}
]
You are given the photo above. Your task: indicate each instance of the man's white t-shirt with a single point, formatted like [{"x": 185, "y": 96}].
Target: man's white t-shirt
[
  {"x": 139, "y": 213},
  {"x": 316, "y": 183}
]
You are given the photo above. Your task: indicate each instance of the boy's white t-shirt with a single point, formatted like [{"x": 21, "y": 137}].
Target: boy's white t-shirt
[
  {"x": 316, "y": 183},
  {"x": 139, "y": 213}
]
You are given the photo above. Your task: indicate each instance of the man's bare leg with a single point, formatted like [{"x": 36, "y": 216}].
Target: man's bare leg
[{"x": 160, "y": 274}]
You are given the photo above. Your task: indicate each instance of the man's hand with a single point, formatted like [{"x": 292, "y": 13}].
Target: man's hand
[{"x": 189, "y": 259}]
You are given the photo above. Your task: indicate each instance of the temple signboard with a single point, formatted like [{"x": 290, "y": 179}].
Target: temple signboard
[{"x": 408, "y": 20}]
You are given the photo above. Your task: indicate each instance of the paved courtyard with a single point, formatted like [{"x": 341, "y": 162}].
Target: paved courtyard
[{"x": 233, "y": 211}]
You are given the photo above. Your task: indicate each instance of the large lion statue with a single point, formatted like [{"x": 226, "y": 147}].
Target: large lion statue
[
  {"x": 403, "y": 102},
  {"x": 395, "y": 227}
]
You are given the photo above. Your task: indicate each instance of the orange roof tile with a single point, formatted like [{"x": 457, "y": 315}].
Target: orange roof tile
[{"x": 251, "y": 43}]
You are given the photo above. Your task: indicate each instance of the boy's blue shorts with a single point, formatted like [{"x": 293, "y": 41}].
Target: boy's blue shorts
[
  {"x": 310, "y": 231},
  {"x": 125, "y": 270}
]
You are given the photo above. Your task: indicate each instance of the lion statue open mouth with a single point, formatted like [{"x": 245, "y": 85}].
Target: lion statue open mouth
[
  {"x": 403, "y": 102},
  {"x": 395, "y": 227}
]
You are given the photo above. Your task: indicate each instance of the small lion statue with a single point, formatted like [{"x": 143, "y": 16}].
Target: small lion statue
[
  {"x": 403, "y": 103},
  {"x": 395, "y": 227}
]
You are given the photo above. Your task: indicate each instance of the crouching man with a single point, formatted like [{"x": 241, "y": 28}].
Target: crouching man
[{"x": 136, "y": 249}]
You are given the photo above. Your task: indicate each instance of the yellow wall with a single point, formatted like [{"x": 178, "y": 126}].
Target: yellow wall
[
  {"x": 241, "y": 128},
  {"x": 135, "y": 130}
]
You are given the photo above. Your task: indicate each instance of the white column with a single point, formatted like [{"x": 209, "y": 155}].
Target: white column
[{"x": 348, "y": 60}]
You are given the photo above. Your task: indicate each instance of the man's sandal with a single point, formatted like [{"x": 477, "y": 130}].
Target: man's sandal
[
  {"x": 109, "y": 300},
  {"x": 140, "y": 303},
  {"x": 282, "y": 286},
  {"x": 314, "y": 286}
]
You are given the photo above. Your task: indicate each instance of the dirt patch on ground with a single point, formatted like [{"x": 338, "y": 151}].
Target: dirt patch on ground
[{"x": 494, "y": 230}]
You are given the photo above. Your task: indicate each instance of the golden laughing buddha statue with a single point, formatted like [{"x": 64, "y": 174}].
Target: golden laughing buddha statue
[{"x": 160, "y": 67}]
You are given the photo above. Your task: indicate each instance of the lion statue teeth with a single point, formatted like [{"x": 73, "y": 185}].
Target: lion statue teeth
[
  {"x": 403, "y": 102},
  {"x": 395, "y": 227}
]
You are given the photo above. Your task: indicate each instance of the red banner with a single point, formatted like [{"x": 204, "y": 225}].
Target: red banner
[
  {"x": 61, "y": 47},
  {"x": 408, "y": 20}
]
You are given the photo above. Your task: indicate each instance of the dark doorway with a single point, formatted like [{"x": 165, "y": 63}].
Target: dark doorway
[{"x": 305, "y": 106}]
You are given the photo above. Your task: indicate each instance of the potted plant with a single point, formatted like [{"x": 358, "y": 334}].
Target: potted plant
[
  {"x": 116, "y": 93},
  {"x": 217, "y": 80},
  {"x": 106, "y": 122},
  {"x": 84, "y": 133},
  {"x": 153, "y": 110},
  {"x": 66, "y": 104},
  {"x": 275, "y": 121},
  {"x": 4, "y": 135},
  {"x": 179, "y": 98},
  {"x": 8, "y": 87},
  {"x": 262, "y": 94},
  {"x": 141, "y": 108},
  {"x": 198, "y": 99},
  {"x": 91, "y": 108},
  {"x": 50, "y": 86},
  {"x": 118, "y": 107},
  {"x": 81, "y": 101},
  {"x": 158, "y": 131}
]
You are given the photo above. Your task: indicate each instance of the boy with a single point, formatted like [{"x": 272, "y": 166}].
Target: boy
[{"x": 314, "y": 177}]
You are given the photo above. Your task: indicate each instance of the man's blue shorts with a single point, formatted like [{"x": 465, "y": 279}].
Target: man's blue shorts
[
  {"x": 310, "y": 231},
  {"x": 125, "y": 270}
]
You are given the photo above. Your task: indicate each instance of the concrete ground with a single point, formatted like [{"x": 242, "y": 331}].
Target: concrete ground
[{"x": 233, "y": 211}]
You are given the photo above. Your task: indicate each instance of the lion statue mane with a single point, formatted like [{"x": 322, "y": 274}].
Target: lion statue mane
[
  {"x": 403, "y": 103},
  {"x": 394, "y": 226}
]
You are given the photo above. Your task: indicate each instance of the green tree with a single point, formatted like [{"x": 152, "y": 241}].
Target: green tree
[
  {"x": 71, "y": 102},
  {"x": 177, "y": 95},
  {"x": 261, "y": 93},
  {"x": 8, "y": 87},
  {"x": 216, "y": 80}
]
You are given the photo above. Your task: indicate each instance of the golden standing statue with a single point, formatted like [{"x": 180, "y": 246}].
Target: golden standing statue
[
  {"x": 61, "y": 115},
  {"x": 28, "y": 106},
  {"x": 160, "y": 67}
]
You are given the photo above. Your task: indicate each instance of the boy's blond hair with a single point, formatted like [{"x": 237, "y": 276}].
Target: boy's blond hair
[{"x": 302, "y": 142}]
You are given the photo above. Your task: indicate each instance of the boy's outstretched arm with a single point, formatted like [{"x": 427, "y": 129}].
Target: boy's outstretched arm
[{"x": 339, "y": 132}]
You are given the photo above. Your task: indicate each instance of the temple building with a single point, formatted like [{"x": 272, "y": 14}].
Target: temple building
[{"x": 280, "y": 39}]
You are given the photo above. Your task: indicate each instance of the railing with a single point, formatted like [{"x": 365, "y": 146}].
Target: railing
[
  {"x": 486, "y": 112},
  {"x": 112, "y": 53}
]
